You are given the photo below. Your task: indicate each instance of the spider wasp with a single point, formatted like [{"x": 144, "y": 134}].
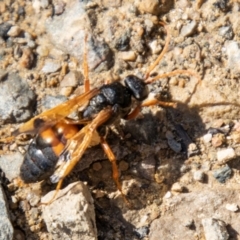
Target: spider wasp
[{"x": 60, "y": 142}]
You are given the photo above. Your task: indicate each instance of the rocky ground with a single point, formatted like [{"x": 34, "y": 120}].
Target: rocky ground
[{"x": 179, "y": 166}]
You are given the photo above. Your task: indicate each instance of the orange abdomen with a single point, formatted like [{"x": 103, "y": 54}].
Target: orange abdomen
[{"x": 44, "y": 151}]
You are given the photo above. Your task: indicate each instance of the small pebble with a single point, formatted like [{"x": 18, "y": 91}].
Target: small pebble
[
  {"x": 223, "y": 174},
  {"x": 59, "y": 7},
  {"x": 66, "y": 91},
  {"x": 235, "y": 136},
  {"x": 128, "y": 56},
  {"x": 198, "y": 176},
  {"x": 99, "y": 193},
  {"x": 24, "y": 205},
  {"x": 34, "y": 213},
  {"x": 14, "y": 31},
  {"x": 218, "y": 123},
  {"x": 225, "y": 155},
  {"x": 214, "y": 229},
  {"x": 188, "y": 29},
  {"x": 155, "y": 47},
  {"x": 141, "y": 232},
  {"x": 174, "y": 145},
  {"x": 42, "y": 51},
  {"x": 123, "y": 166},
  {"x": 192, "y": 149},
  {"x": 27, "y": 58},
  {"x": 218, "y": 140},
  {"x": 226, "y": 32},
  {"x": 176, "y": 187},
  {"x": 31, "y": 44},
  {"x": 149, "y": 6},
  {"x": 51, "y": 66},
  {"x": 233, "y": 207},
  {"x": 167, "y": 195},
  {"x": 71, "y": 79},
  {"x": 97, "y": 166}
]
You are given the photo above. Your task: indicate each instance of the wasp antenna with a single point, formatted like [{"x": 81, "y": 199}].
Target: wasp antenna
[
  {"x": 162, "y": 53},
  {"x": 174, "y": 73},
  {"x": 85, "y": 66}
]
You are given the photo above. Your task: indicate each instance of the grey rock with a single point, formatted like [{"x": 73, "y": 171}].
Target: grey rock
[
  {"x": 226, "y": 32},
  {"x": 16, "y": 98},
  {"x": 194, "y": 206},
  {"x": 6, "y": 227},
  {"x": 223, "y": 174},
  {"x": 10, "y": 164},
  {"x": 189, "y": 29},
  {"x": 71, "y": 215},
  {"x": 198, "y": 175},
  {"x": 214, "y": 229},
  {"x": 72, "y": 79},
  {"x": 68, "y": 32},
  {"x": 141, "y": 232},
  {"x": 174, "y": 145},
  {"x": 233, "y": 54},
  {"x": 52, "y": 101},
  {"x": 51, "y": 66},
  {"x": 4, "y": 28},
  {"x": 122, "y": 43}
]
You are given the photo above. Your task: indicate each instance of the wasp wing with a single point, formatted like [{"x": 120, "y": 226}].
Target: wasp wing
[
  {"x": 56, "y": 114},
  {"x": 78, "y": 144}
]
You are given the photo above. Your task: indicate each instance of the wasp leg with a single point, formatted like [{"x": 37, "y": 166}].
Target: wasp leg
[
  {"x": 149, "y": 102},
  {"x": 162, "y": 53},
  {"x": 113, "y": 161},
  {"x": 154, "y": 101},
  {"x": 133, "y": 114},
  {"x": 76, "y": 148},
  {"x": 85, "y": 67},
  {"x": 75, "y": 121},
  {"x": 59, "y": 185},
  {"x": 174, "y": 73}
]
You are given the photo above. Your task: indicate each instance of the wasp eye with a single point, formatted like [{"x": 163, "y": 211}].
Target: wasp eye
[{"x": 137, "y": 87}]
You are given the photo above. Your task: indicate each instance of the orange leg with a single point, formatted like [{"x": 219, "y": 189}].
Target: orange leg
[
  {"x": 174, "y": 73},
  {"x": 133, "y": 114},
  {"x": 85, "y": 68},
  {"x": 154, "y": 101},
  {"x": 76, "y": 150},
  {"x": 59, "y": 185},
  {"x": 162, "y": 53},
  {"x": 113, "y": 161},
  {"x": 149, "y": 102},
  {"x": 170, "y": 74}
]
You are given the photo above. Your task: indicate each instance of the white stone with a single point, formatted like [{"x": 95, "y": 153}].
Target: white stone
[
  {"x": 233, "y": 207},
  {"x": 226, "y": 154},
  {"x": 207, "y": 138},
  {"x": 155, "y": 47},
  {"x": 127, "y": 55},
  {"x": 14, "y": 31}
]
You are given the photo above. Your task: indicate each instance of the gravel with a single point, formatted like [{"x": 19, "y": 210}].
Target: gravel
[{"x": 172, "y": 161}]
